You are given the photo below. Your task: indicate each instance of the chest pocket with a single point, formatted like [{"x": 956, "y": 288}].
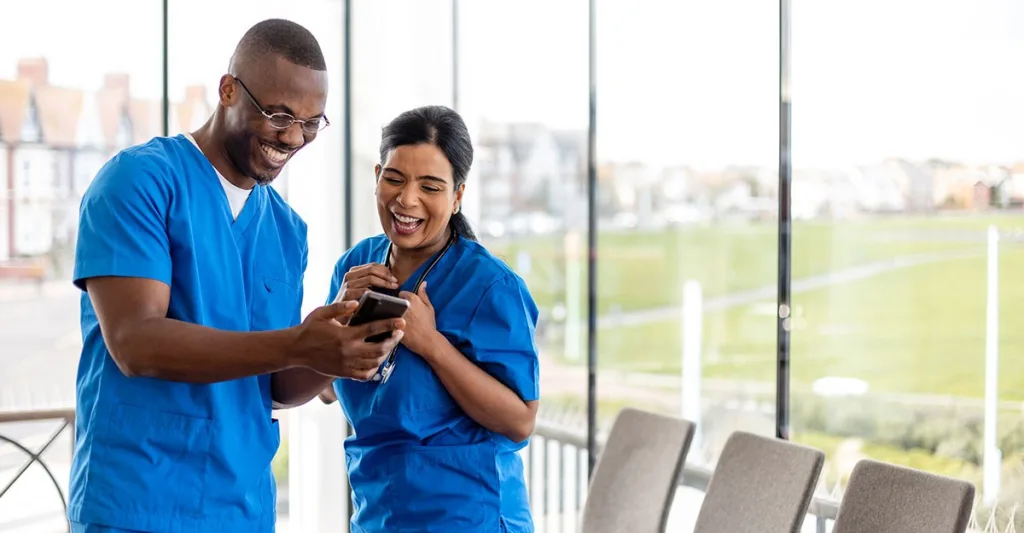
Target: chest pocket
[{"x": 275, "y": 303}]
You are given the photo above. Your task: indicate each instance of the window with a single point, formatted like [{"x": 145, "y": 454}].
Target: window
[
  {"x": 525, "y": 102},
  {"x": 30, "y": 128},
  {"x": 905, "y": 145},
  {"x": 688, "y": 184},
  {"x": 49, "y": 81},
  {"x": 907, "y": 207},
  {"x": 401, "y": 59}
]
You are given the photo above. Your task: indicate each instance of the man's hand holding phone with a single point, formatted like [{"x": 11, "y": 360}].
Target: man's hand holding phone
[{"x": 323, "y": 344}]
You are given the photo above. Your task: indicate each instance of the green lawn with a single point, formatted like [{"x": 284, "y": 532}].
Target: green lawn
[
  {"x": 643, "y": 270},
  {"x": 919, "y": 459},
  {"x": 918, "y": 329}
]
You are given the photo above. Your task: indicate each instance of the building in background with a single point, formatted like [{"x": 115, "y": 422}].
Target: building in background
[{"x": 53, "y": 141}]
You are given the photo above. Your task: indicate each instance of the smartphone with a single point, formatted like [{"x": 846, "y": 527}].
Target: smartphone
[{"x": 374, "y": 306}]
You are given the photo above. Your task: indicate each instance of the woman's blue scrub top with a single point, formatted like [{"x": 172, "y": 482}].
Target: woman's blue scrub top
[
  {"x": 160, "y": 456},
  {"x": 417, "y": 462}
]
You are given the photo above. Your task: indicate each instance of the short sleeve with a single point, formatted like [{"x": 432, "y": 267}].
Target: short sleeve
[
  {"x": 501, "y": 336},
  {"x": 123, "y": 226}
]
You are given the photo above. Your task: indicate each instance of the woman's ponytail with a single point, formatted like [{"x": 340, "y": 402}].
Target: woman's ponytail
[{"x": 460, "y": 224}]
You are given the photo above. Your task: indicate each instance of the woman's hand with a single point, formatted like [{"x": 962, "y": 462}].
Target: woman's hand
[
  {"x": 358, "y": 280},
  {"x": 420, "y": 323}
]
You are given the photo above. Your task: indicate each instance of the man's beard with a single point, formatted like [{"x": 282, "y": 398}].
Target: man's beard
[{"x": 263, "y": 179}]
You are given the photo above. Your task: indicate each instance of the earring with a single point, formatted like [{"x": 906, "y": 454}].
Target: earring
[{"x": 456, "y": 211}]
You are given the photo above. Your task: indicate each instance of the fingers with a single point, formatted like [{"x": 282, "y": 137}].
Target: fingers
[
  {"x": 336, "y": 310},
  {"x": 391, "y": 342},
  {"x": 423, "y": 294},
  {"x": 353, "y": 294},
  {"x": 377, "y": 327},
  {"x": 348, "y": 308},
  {"x": 367, "y": 366},
  {"x": 371, "y": 281},
  {"x": 365, "y": 375},
  {"x": 371, "y": 275},
  {"x": 370, "y": 356}
]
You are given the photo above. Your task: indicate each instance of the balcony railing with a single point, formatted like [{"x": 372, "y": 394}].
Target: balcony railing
[
  {"x": 557, "y": 508},
  {"x": 65, "y": 419},
  {"x": 551, "y": 516},
  {"x": 556, "y": 462}
]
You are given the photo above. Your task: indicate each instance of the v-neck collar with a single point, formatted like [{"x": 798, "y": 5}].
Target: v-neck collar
[
  {"x": 410, "y": 283},
  {"x": 252, "y": 206},
  {"x": 249, "y": 210}
]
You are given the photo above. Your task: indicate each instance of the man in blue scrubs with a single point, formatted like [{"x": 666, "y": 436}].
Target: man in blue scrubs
[{"x": 191, "y": 269}]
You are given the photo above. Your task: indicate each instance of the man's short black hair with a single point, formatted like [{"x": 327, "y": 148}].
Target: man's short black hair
[{"x": 284, "y": 38}]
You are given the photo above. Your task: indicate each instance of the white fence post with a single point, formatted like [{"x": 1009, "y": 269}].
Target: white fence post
[
  {"x": 992, "y": 457},
  {"x": 692, "y": 331},
  {"x": 318, "y": 496}
]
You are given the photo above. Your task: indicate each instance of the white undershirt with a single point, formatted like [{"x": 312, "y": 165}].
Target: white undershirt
[{"x": 236, "y": 195}]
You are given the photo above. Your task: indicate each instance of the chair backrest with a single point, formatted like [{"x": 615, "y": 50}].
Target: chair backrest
[
  {"x": 636, "y": 475},
  {"x": 885, "y": 498},
  {"x": 760, "y": 484}
]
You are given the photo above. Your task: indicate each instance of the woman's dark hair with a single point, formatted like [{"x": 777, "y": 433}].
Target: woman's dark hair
[{"x": 443, "y": 128}]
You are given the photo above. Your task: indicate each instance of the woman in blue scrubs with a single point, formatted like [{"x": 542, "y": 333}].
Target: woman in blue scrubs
[{"x": 438, "y": 428}]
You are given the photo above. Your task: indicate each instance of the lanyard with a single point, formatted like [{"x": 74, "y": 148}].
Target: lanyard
[{"x": 389, "y": 366}]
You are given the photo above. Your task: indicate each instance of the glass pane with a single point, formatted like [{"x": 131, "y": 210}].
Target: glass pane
[
  {"x": 526, "y": 103},
  {"x": 687, "y": 146},
  {"x": 311, "y": 182},
  {"x": 907, "y": 153},
  {"x": 401, "y": 59},
  {"x": 70, "y": 97}
]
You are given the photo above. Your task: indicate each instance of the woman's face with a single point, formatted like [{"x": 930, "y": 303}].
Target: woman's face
[{"x": 416, "y": 196}]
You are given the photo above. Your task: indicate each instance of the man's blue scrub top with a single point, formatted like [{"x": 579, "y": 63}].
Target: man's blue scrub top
[
  {"x": 417, "y": 462},
  {"x": 161, "y": 456}
]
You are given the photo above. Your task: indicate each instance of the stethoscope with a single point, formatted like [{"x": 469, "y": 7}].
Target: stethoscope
[{"x": 385, "y": 371}]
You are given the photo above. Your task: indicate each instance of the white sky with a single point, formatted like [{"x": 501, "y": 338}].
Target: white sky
[{"x": 690, "y": 82}]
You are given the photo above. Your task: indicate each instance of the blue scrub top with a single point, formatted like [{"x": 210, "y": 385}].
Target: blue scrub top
[
  {"x": 160, "y": 456},
  {"x": 417, "y": 462}
]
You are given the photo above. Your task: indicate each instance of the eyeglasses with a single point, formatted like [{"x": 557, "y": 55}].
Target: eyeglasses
[{"x": 283, "y": 121}]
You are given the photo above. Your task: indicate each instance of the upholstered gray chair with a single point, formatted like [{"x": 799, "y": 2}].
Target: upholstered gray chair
[
  {"x": 885, "y": 498},
  {"x": 637, "y": 472},
  {"x": 760, "y": 484}
]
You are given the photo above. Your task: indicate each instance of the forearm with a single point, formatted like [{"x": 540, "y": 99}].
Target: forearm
[
  {"x": 296, "y": 386},
  {"x": 178, "y": 351},
  {"x": 485, "y": 399}
]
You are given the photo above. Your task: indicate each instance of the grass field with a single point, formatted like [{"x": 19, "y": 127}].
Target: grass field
[{"x": 919, "y": 329}]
